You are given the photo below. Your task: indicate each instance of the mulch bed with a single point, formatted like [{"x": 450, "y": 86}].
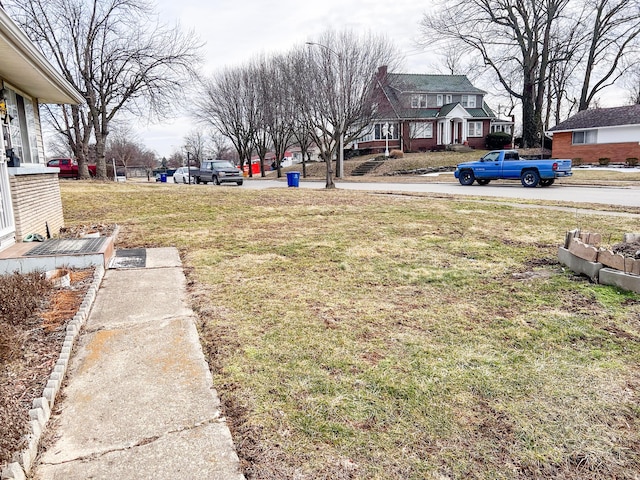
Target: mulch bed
[{"x": 32, "y": 331}]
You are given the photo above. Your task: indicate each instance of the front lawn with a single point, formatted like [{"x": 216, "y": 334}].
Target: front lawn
[{"x": 368, "y": 336}]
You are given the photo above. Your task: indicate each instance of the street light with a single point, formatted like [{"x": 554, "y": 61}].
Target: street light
[{"x": 340, "y": 163}]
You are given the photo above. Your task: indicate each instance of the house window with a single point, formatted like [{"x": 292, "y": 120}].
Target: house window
[
  {"x": 469, "y": 101},
  {"x": 421, "y": 130},
  {"x": 22, "y": 127},
  {"x": 390, "y": 129},
  {"x": 474, "y": 129},
  {"x": 418, "y": 101},
  {"x": 443, "y": 99},
  {"x": 582, "y": 137}
]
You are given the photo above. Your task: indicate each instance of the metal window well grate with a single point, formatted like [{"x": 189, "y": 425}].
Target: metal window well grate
[{"x": 68, "y": 247}]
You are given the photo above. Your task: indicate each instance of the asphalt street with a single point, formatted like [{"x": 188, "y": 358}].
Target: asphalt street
[{"x": 627, "y": 196}]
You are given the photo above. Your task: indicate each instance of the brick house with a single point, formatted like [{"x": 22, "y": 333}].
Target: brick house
[
  {"x": 29, "y": 191},
  {"x": 418, "y": 112},
  {"x": 589, "y": 135}
]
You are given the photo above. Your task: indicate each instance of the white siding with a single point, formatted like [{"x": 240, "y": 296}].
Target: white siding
[{"x": 627, "y": 133}]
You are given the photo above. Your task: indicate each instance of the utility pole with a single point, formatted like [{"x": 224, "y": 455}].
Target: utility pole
[{"x": 189, "y": 166}]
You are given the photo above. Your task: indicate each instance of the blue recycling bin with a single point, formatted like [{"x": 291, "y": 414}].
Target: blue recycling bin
[
  {"x": 293, "y": 179},
  {"x": 163, "y": 177}
]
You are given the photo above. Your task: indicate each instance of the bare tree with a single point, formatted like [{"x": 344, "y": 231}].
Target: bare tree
[
  {"x": 220, "y": 147},
  {"x": 612, "y": 28},
  {"x": 336, "y": 80},
  {"x": 113, "y": 53},
  {"x": 455, "y": 61},
  {"x": 127, "y": 151},
  {"x": 304, "y": 139},
  {"x": 196, "y": 143},
  {"x": 513, "y": 38},
  {"x": 228, "y": 104},
  {"x": 275, "y": 94},
  {"x": 632, "y": 85},
  {"x": 176, "y": 159}
]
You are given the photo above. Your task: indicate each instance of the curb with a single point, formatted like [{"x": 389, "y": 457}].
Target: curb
[{"x": 23, "y": 460}]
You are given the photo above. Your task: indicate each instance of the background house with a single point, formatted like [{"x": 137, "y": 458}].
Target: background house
[
  {"x": 427, "y": 112},
  {"x": 589, "y": 135},
  {"x": 29, "y": 191}
]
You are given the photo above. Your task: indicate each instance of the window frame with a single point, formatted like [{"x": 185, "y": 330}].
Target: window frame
[
  {"x": 416, "y": 130},
  {"x": 419, "y": 100},
  {"x": 377, "y": 131},
  {"x": 475, "y": 124},
  {"x": 23, "y": 125},
  {"x": 589, "y": 136},
  {"x": 466, "y": 103}
]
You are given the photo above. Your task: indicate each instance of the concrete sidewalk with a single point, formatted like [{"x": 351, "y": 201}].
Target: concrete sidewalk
[{"x": 139, "y": 401}]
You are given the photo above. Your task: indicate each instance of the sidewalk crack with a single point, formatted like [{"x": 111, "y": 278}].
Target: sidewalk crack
[{"x": 145, "y": 441}]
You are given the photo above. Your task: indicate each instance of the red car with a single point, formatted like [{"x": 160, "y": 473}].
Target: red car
[{"x": 69, "y": 167}]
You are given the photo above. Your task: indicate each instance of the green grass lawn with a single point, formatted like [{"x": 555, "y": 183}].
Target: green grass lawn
[{"x": 354, "y": 335}]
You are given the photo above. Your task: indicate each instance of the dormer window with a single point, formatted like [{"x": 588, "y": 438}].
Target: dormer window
[
  {"x": 468, "y": 101},
  {"x": 442, "y": 99},
  {"x": 419, "y": 101}
]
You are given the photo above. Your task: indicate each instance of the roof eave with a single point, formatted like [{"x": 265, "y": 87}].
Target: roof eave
[{"x": 24, "y": 66}]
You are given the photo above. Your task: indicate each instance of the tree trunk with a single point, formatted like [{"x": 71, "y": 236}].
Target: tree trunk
[{"x": 330, "y": 183}]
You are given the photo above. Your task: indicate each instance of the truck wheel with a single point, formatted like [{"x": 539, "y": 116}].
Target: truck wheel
[
  {"x": 466, "y": 177},
  {"x": 530, "y": 178},
  {"x": 482, "y": 181},
  {"x": 546, "y": 182},
  {"x": 198, "y": 180}
]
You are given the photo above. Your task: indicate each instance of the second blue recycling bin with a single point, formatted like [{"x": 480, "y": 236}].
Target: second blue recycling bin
[{"x": 293, "y": 179}]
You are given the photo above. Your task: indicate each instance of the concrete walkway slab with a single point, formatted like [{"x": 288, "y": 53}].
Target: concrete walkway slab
[
  {"x": 139, "y": 295},
  {"x": 139, "y": 402}
]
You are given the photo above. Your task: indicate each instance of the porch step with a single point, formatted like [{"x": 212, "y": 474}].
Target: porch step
[
  {"x": 367, "y": 167},
  {"x": 459, "y": 148},
  {"x": 24, "y": 257}
]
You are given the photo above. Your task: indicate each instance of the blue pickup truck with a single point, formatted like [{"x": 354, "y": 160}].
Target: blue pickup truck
[{"x": 507, "y": 164}]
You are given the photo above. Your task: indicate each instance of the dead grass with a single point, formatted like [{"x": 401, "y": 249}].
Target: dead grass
[{"x": 364, "y": 336}]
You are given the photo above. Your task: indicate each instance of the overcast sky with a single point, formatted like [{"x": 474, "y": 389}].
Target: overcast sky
[{"x": 237, "y": 30}]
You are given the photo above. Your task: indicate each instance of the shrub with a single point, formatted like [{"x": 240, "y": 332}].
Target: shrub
[
  {"x": 576, "y": 161},
  {"x": 22, "y": 295},
  {"x": 604, "y": 161},
  {"x": 632, "y": 161},
  {"x": 11, "y": 340},
  {"x": 396, "y": 154},
  {"x": 497, "y": 140}
]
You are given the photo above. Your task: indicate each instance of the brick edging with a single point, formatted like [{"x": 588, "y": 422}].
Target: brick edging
[{"x": 23, "y": 460}]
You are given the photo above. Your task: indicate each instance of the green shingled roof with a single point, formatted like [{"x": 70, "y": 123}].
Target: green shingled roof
[{"x": 407, "y": 82}]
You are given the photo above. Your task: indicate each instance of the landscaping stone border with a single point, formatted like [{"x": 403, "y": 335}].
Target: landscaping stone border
[
  {"x": 581, "y": 255},
  {"x": 40, "y": 412}
]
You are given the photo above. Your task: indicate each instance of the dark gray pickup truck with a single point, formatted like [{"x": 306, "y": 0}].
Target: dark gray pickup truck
[{"x": 219, "y": 171}]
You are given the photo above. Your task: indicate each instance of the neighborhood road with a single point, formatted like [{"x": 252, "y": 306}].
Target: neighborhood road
[{"x": 626, "y": 196}]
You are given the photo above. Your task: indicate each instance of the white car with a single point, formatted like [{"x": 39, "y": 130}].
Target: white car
[{"x": 181, "y": 175}]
